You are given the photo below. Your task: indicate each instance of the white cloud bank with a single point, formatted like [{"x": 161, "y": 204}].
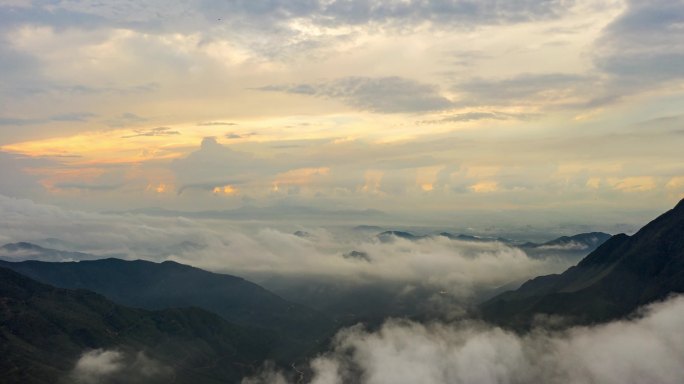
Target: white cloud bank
[
  {"x": 457, "y": 267},
  {"x": 647, "y": 349}
]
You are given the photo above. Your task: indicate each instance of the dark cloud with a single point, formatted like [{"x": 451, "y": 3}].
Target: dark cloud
[
  {"x": 213, "y": 163},
  {"x": 214, "y": 123},
  {"x": 16, "y": 66},
  {"x": 382, "y": 94},
  {"x": 234, "y": 135},
  {"x": 73, "y": 117},
  {"x": 17, "y": 182},
  {"x": 273, "y": 16},
  {"x": 69, "y": 117},
  {"x": 159, "y": 131},
  {"x": 475, "y": 116},
  {"x": 521, "y": 89},
  {"x": 19, "y": 122},
  {"x": 88, "y": 187},
  {"x": 208, "y": 186},
  {"x": 38, "y": 85},
  {"x": 125, "y": 119},
  {"x": 452, "y": 12},
  {"x": 643, "y": 48},
  {"x": 55, "y": 16}
]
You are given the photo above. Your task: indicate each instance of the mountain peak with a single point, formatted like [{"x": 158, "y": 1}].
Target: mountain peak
[
  {"x": 622, "y": 274},
  {"x": 679, "y": 207}
]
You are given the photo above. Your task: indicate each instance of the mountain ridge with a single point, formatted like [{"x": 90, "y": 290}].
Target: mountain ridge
[
  {"x": 156, "y": 286},
  {"x": 45, "y": 329},
  {"x": 622, "y": 274}
]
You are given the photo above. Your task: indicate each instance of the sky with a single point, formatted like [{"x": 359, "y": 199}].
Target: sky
[{"x": 531, "y": 111}]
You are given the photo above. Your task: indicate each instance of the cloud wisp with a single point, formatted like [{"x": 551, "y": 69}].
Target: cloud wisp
[{"x": 110, "y": 366}]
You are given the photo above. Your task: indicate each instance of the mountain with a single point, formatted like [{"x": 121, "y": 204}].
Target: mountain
[
  {"x": 581, "y": 242},
  {"x": 574, "y": 248},
  {"x": 389, "y": 236},
  {"x": 44, "y": 331},
  {"x": 369, "y": 302},
  {"x": 367, "y": 228},
  {"x": 622, "y": 274},
  {"x": 25, "y": 251},
  {"x": 463, "y": 237},
  {"x": 153, "y": 286}
]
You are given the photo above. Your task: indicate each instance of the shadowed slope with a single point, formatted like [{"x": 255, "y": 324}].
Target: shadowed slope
[
  {"x": 44, "y": 330},
  {"x": 619, "y": 276}
]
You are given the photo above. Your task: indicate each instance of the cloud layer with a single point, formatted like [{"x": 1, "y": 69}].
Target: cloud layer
[{"x": 458, "y": 268}]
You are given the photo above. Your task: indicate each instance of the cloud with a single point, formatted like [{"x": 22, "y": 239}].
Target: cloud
[
  {"x": 155, "y": 15},
  {"x": 523, "y": 89},
  {"x": 215, "y": 123},
  {"x": 642, "y": 49},
  {"x": 159, "y": 131},
  {"x": 88, "y": 187},
  {"x": 458, "y": 267},
  {"x": 456, "y": 13},
  {"x": 17, "y": 182},
  {"x": 19, "y": 122},
  {"x": 382, "y": 94},
  {"x": 125, "y": 119},
  {"x": 645, "y": 349},
  {"x": 290, "y": 27},
  {"x": 569, "y": 246},
  {"x": 476, "y": 116},
  {"x": 233, "y": 135},
  {"x": 214, "y": 164},
  {"x": 95, "y": 366},
  {"x": 645, "y": 40},
  {"x": 68, "y": 117},
  {"x": 632, "y": 184},
  {"x": 101, "y": 366}
]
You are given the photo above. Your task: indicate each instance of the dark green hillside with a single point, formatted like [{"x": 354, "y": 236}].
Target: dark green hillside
[
  {"x": 44, "y": 330},
  {"x": 148, "y": 285}
]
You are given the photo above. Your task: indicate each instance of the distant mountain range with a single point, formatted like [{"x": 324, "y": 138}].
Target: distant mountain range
[
  {"x": 622, "y": 274},
  {"x": 24, "y": 251},
  {"x": 583, "y": 242},
  {"x": 580, "y": 242},
  {"x": 44, "y": 330},
  {"x": 154, "y": 286}
]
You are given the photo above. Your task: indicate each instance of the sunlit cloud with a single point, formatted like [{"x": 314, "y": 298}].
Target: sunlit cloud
[
  {"x": 632, "y": 184},
  {"x": 227, "y": 190},
  {"x": 485, "y": 187}
]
